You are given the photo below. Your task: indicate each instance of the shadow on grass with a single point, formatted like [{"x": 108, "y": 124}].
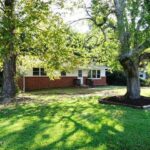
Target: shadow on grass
[
  {"x": 74, "y": 125},
  {"x": 75, "y": 91}
]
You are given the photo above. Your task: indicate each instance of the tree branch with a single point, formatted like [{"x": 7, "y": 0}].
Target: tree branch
[
  {"x": 80, "y": 20},
  {"x": 145, "y": 56},
  {"x": 97, "y": 42},
  {"x": 104, "y": 34},
  {"x": 93, "y": 19},
  {"x": 86, "y": 9},
  {"x": 140, "y": 21},
  {"x": 142, "y": 46},
  {"x": 2, "y": 4}
]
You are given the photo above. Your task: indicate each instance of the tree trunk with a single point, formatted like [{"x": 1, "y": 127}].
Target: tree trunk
[
  {"x": 9, "y": 72},
  {"x": 9, "y": 59},
  {"x": 133, "y": 81}
]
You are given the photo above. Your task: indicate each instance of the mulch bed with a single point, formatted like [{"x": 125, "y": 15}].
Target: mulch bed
[{"x": 143, "y": 102}]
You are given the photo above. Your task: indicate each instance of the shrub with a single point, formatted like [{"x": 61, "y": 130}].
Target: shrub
[
  {"x": 145, "y": 82},
  {"x": 116, "y": 78}
]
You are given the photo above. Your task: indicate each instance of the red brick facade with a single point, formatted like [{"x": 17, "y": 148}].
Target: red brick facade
[
  {"x": 85, "y": 80},
  {"x": 37, "y": 83},
  {"x": 101, "y": 81}
]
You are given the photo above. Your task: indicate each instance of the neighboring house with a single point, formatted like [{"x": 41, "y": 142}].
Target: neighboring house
[
  {"x": 36, "y": 78},
  {"x": 143, "y": 75}
]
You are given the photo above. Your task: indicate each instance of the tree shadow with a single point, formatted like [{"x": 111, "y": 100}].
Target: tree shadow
[
  {"x": 73, "y": 125},
  {"x": 75, "y": 91}
]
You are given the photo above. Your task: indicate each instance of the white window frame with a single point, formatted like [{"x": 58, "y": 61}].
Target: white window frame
[
  {"x": 39, "y": 75},
  {"x": 80, "y": 73},
  {"x": 91, "y": 73}
]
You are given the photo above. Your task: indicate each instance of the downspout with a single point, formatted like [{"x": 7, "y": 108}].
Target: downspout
[{"x": 24, "y": 84}]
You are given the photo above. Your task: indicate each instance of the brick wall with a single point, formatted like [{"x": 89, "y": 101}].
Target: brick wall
[
  {"x": 36, "y": 83},
  {"x": 85, "y": 80},
  {"x": 101, "y": 81}
]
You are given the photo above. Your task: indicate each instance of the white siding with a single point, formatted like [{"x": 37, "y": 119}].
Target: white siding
[
  {"x": 29, "y": 72},
  {"x": 74, "y": 73},
  {"x": 103, "y": 72},
  {"x": 85, "y": 72},
  {"x": 142, "y": 75}
]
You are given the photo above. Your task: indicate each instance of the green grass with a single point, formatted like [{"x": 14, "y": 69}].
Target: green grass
[{"x": 72, "y": 119}]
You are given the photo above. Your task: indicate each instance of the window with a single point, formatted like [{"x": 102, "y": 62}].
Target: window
[
  {"x": 98, "y": 73},
  {"x": 141, "y": 75},
  {"x": 89, "y": 74},
  {"x": 43, "y": 73},
  {"x": 36, "y": 71},
  {"x": 63, "y": 73},
  {"x": 95, "y": 74},
  {"x": 79, "y": 73},
  {"x": 39, "y": 72}
]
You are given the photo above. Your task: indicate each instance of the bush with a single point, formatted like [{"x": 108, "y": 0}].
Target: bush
[
  {"x": 116, "y": 78},
  {"x": 145, "y": 82},
  {"x": 77, "y": 82},
  {"x": 89, "y": 82}
]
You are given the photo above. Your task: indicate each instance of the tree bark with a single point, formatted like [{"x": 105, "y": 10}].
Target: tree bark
[
  {"x": 9, "y": 60},
  {"x": 129, "y": 61},
  {"x": 9, "y": 72},
  {"x": 133, "y": 81}
]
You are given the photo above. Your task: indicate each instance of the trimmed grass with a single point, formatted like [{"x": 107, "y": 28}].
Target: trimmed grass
[{"x": 72, "y": 119}]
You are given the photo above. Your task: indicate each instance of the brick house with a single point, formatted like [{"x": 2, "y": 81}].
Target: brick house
[{"x": 36, "y": 79}]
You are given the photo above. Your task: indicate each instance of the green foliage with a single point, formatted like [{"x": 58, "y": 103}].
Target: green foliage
[
  {"x": 100, "y": 9},
  {"x": 148, "y": 68},
  {"x": 102, "y": 47},
  {"x": 39, "y": 34},
  {"x": 64, "y": 52},
  {"x": 1, "y": 65},
  {"x": 131, "y": 29},
  {"x": 145, "y": 82},
  {"x": 116, "y": 78},
  {"x": 96, "y": 48},
  {"x": 137, "y": 21}
]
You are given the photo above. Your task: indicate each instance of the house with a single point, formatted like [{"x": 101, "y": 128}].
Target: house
[
  {"x": 36, "y": 79},
  {"x": 142, "y": 75}
]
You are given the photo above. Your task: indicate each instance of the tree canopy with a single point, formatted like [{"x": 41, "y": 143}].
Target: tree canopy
[
  {"x": 131, "y": 22},
  {"x": 32, "y": 29},
  {"x": 129, "y": 25}
]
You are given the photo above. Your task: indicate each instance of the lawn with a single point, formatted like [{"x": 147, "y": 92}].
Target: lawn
[{"x": 72, "y": 119}]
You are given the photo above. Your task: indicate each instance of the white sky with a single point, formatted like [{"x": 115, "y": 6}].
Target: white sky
[
  {"x": 78, "y": 13},
  {"x": 70, "y": 16},
  {"x": 80, "y": 26}
]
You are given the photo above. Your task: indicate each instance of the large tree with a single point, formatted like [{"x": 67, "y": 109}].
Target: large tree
[
  {"x": 30, "y": 27},
  {"x": 130, "y": 21},
  {"x": 133, "y": 22}
]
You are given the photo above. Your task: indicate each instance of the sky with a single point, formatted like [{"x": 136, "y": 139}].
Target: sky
[
  {"x": 80, "y": 26},
  {"x": 72, "y": 15},
  {"x": 78, "y": 13}
]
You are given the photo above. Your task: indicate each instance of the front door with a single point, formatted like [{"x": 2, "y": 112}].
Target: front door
[{"x": 80, "y": 76}]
